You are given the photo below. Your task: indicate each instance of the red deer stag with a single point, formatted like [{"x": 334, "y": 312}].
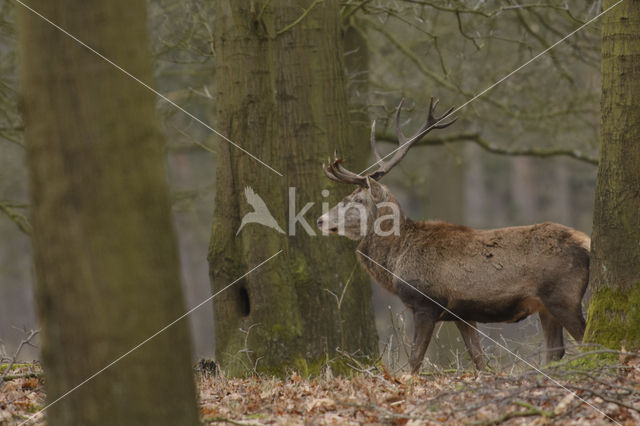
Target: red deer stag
[{"x": 497, "y": 275}]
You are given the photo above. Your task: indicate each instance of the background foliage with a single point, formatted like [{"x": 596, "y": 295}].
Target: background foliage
[{"x": 416, "y": 49}]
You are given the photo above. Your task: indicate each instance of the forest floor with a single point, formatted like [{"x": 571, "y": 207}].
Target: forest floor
[{"x": 607, "y": 394}]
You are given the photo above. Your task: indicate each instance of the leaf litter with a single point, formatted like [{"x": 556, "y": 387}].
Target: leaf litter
[{"x": 374, "y": 396}]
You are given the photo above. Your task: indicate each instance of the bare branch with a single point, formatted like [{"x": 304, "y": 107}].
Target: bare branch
[
  {"x": 532, "y": 410},
  {"x": 497, "y": 11},
  {"x": 348, "y": 13},
  {"x": 490, "y": 147},
  {"x": 552, "y": 54},
  {"x": 20, "y": 220},
  {"x": 25, "y": 341},
  {"x": 5, "y": 134},
  {"x": 465, "y": 35},
  {"x": 299, "y": 19}
]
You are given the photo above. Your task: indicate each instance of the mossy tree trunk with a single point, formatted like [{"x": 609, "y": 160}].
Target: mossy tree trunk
[
  {"x": 105, "y": 252},
  {"x": 281, "y": 95},
  {"x": 614, "y": 310}
]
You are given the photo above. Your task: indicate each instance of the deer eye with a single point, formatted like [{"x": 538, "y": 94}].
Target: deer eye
[{"x": 358, "y": 200}]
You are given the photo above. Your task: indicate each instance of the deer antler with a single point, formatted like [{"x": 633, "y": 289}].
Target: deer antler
[
  {"x": 336, "y": 171},
  {"x": 404, "y": 143}
]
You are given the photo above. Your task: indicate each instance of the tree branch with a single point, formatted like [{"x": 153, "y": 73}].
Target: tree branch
[
  {"x": 531, "y": 410},
  {"x": 497, "y": 11},
  {"x": 25, "y": 341},
  {"x": 465, "y": 35},
  {"x": 4, "y": 135},
  {"x": 445, "y": 82},
  {"x": 490, "y": 147},
  {"x": 441, "y": 80},
  {"x": 349, "y": 12},
  {"x": 300, "y": 18},
  {"x": 20, "y": 220}
]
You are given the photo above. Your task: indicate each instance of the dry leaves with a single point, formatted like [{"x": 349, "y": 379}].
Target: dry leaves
[
  {"x": 467, "y": 398},
  {"x": 21, "y": 394},
  {"x": 378, "y": 397}
]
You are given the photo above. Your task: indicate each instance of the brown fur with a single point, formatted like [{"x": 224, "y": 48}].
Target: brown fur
[
  {"x": 497, "y": 275},
  {"x": 445, "y": 272}
]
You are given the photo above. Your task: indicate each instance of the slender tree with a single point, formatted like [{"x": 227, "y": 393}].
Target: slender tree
[
  {"x": 614, "y": 309},
  {"x": 105, "y": 252},
  {"x": 281, "y": 94}
]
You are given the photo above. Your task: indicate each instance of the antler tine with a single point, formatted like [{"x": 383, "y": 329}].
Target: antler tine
[
  {"x": 448, "y": 123},
  {"x": 435, "y": 121},
  {"x": 399, "y": 134},
  {"x": 331, "y": 170},
  {"x": 433, "y": 104},
  {"x": 431, "y": 123},
  {"x": 345, "y": 175},
  {"x": 337, "y": 172},
  {"x": 402, "y": 140},
  {"x": 342, "y": 171},
  {"x": 330, "y": 175},
  {"x": 337, "y": 166},
  {"x": 406, "y": 143},
  {"x": 373, "y": 143}
]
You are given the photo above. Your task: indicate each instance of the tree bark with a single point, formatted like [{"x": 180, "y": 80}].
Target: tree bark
[
  {"x": 105, "y": 252},
  {"x": 614, "y": 313},
  {"x": 281, "y": 95}
]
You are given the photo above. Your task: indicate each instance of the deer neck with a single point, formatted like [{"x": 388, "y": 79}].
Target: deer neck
[
  {"x": 379, "y": 252},
  {"x": 374, "y": 242}
]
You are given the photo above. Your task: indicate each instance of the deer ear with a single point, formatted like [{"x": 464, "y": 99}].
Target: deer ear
[{"x": 377, "y": 191}]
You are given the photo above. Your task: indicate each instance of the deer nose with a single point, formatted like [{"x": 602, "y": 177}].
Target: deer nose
[{"x": 319, "y": 223}]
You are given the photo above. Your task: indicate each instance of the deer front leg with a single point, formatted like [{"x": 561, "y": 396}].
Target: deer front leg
[
  {"x": 424, "y": 323},
  {"x": 469, "y": 333},
  {"x": 425, "y": 315}
]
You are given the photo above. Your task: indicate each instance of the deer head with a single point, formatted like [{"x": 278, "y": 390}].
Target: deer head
[{"x": 371, "y": 206}]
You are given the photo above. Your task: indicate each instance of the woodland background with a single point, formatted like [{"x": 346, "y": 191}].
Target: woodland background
[
  {"x": 409, "y": 50},
  {"x": 85, "y": 205}
]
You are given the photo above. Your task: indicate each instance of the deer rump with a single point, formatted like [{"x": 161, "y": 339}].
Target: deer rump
[{"x": 498, "y": 275}]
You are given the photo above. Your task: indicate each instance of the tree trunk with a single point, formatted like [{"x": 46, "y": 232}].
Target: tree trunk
[
  {"x": 105, "y": 252},
  {"x": 281, "y": 95},
  {"x": 614, "y": 313}
]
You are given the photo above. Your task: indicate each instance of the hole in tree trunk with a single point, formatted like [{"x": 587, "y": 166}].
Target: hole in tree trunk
[{"x": 244, "y": 305}]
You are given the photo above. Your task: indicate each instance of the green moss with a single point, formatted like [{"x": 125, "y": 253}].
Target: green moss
[
  {"x": 302, "y": 367},
  {"x": 588, "y": 362},
  {"x": 256, "y": 416},
  {"x": 613, "y": 318},
  {"x": 310, "y": 368},
  {"x": 280, "y": 332},
  {"x": 299, "y": 269},
  {"x": 15, "y": 366}
]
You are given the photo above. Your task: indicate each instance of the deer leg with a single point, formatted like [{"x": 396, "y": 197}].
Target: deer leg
[
  {"x": 552, "y": 330},
  {"x": 570, "y": 318},
  {"x": 423, "y": 323},
  {"x": 471, "y": 338}
]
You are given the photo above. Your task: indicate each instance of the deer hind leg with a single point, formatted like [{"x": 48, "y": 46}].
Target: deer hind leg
[
  {"x": 552, "y": 331},
  {"x": 570, "y": 316},
  {"x": 423, "y": 323},
  {"x": 471, "y": 338}
]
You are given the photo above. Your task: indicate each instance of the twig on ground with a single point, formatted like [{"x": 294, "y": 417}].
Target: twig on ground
[
  {"x": 532, "y": 410},
  {"x": 25, "y": 341}
]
